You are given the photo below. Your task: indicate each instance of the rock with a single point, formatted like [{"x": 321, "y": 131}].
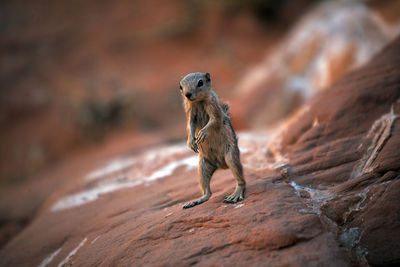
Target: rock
[
  {"x": 344, "y": 147},
  {"x": 330, "y": 40},
  {"x": 322, "y": 191},
  {"x": 129, "y": 211}
]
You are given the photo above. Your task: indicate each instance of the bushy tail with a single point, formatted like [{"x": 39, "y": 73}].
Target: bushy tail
[{"x": 225, "y": 107}]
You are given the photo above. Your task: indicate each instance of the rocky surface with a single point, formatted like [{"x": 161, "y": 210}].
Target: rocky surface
[
  {"x": 322, "y": 191},
  {"x": 342, "y": 153},
  {"x": 129, "y": 211}
]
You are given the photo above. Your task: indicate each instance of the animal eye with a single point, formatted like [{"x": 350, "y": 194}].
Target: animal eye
[
  {"x": 200, "y": 83},
  {"x": 180, "y": 87}
]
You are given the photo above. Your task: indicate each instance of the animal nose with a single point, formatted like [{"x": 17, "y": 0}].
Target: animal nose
[{"x": 188, "y": 95}]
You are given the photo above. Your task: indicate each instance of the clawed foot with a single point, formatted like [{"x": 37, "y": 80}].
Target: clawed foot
[
  {"x": 238, "y": 195},
  {"x": 196, "y": 202},
  {"x": 233, "y": 198},
  {"x": 190, "y": 205}
]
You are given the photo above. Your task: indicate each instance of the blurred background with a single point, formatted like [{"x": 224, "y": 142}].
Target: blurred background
[{"x": 78, "y": 74}]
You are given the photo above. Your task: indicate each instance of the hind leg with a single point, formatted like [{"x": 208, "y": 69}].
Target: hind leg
[
  {"x": 206, "y": 170},
  {"x": 232, "y": 159}
]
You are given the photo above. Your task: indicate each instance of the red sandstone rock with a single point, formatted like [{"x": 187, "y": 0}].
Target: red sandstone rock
[
  {"x": 129, "y": 212},
  {"x": 344, "y": 149},
  {"x": 330, "y": 40},
  {"x": 333, "y": 202}
]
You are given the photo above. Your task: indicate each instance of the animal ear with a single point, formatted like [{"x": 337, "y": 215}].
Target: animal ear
[{"x": 208, "y": 76}]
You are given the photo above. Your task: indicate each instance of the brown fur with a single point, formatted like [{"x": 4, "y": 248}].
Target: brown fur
[{"x": 210, "y": 133}]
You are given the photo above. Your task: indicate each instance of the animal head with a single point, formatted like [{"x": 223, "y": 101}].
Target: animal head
[{"x": 196, "y": 86}]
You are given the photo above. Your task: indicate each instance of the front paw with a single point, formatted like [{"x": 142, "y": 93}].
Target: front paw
[
  {"x": 192, "y": 145},
  {"x": 201, "y": 136}
]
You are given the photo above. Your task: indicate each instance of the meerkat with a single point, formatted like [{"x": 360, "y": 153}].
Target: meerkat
[{"x": 210, "y": 133}]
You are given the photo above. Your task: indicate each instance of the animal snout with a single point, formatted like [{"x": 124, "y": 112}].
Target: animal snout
[{"x": 188, "y": 95}]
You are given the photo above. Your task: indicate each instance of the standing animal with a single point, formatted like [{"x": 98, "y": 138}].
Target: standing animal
[{"x": 210, "y": 133}]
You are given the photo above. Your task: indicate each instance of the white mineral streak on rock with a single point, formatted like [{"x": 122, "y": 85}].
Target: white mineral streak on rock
[
  {"x": 380, "y": 132},
  {"x": 94, "y": 240},
  {"x": 136, "y": 172},
  {"x": 84, "y": 197},
  {"x": 121, "y": 164},
  {"x": 316, "y": 197},
  {"x": 358, "y": 205},
  {"x": 116, "y": 165},
  {"x": 239, "y": 206},
  {"x": 190, "y": 163},
  {"x": 47, "y": 260},
  {"x": 159, "y": 153},
  {"x": 72, "y": 253}
]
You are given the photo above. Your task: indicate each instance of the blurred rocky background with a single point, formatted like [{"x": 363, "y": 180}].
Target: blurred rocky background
[
  {"x": 85, "y": 81},
  {"x": 74, "y": 73}
]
